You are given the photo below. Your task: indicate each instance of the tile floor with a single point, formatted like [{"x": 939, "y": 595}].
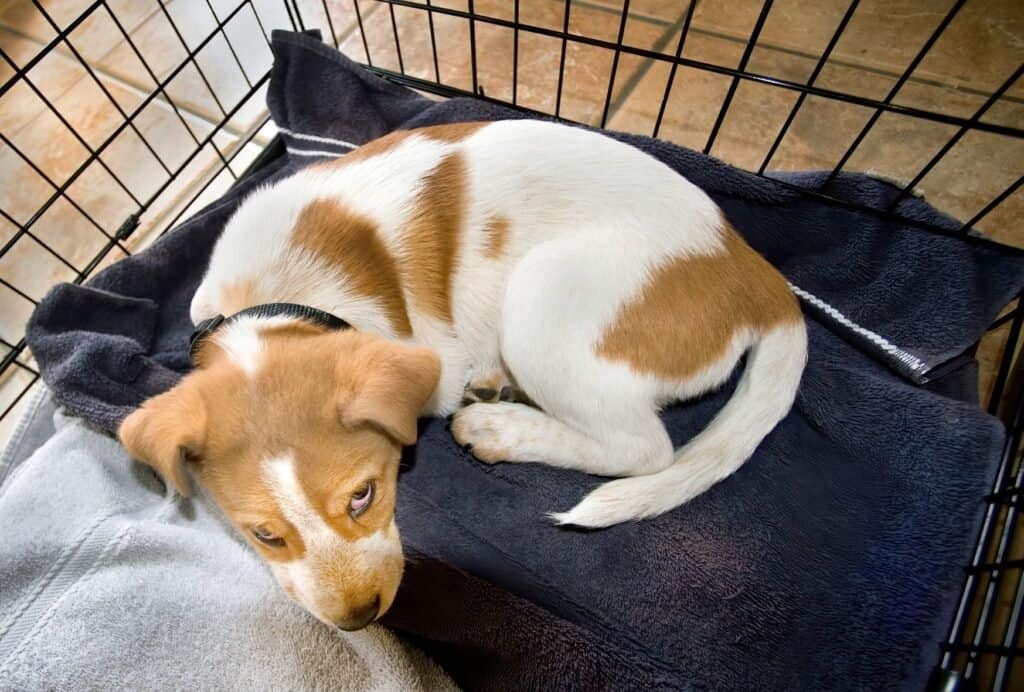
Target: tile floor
[
  {"x": 174, "y": 147},
  {"x": 134, "y": 48}
]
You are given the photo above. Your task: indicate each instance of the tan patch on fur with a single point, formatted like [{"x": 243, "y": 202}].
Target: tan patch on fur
[
  {"x": 451, "y": 133},
  {"x": 350, "y": 241},
  {"x": 238, "y": 296},
  {"x": 431, "y": 240},
  {"x": 496, "y": 231},
  {"x": 690, "y": 308}
]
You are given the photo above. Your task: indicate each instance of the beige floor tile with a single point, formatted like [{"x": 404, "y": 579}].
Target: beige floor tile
[
  {"x": 52, "y": 75},
  {"x": 9, "y": 422},
  {"x": 978, "y": 51},
  {"x": 14, "y": 314},
  {"x": 823, "y": 129},
  {"x": 973, "y": 173},
  {"x": 587, "y": 68},
  {"x": 95, "y": 190},
  {"x": 33, "y": 270},
  {"x": 50, "y": 146},
  {"x": 694, "y": 97},
  {"x": 130, "y": 160},
  {"x": 1003, "y": 222},
  {"x": 668, "y": 11},
  {"x": 97, "y": 193},
  {"x": 92, "y": 39},
  {"x": 14, "y": 386},
  {"x": 883, "y": 35},
  {"x": 69, "y": 233},
  {"x": 175, "y": 198},
  {"x": 213, "y": 82},
  {"x": 95, "y": 111},
  {"x": 53, "y": 148},
  {"x": 245, "y": 158},
  {"x": 342, "y": 13},
  {"x": 987, "y": 36}
]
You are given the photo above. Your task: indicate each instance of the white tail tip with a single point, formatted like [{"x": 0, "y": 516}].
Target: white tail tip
[{"x": 607, "y": 505}]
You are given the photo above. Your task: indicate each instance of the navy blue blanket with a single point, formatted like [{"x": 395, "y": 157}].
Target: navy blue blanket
[{"x": 831, "y": 560}]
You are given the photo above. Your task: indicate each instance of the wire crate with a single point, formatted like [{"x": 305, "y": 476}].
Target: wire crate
[{"x": 120, "y": 117}]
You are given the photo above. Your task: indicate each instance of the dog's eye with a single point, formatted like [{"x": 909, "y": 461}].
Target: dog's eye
[
  {"x": 361, "y": 500},
  {"x": 267, "y": 538}
]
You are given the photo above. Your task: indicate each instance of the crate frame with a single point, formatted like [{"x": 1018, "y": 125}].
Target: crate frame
[{"x": 979, "y": 646}]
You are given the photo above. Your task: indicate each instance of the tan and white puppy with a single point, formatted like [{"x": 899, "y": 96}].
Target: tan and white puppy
[{"x": 581, "y": 271}]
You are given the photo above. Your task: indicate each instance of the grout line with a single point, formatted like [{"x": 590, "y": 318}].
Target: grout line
[
  {"x": 932, "y": 81},
  {"x": 600, "y": 7}
]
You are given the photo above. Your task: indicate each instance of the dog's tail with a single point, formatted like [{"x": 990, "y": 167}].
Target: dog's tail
[{"x": 762, "y": 398}]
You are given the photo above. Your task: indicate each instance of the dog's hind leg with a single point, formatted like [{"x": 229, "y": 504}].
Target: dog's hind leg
[
  {"x": 597, "y": 416},
  {"x": 507, "y": 431}
]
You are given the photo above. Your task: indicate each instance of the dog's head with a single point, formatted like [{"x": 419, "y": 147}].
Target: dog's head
[{"x": 296, "y": 433}]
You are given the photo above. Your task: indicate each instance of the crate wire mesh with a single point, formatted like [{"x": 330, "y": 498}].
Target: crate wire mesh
[{"x": 118, "y": 118}]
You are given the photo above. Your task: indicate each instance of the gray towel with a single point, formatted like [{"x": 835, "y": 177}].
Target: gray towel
[
  {"x": 110, "y": 585},
  {"x": 831, "y": 560}
]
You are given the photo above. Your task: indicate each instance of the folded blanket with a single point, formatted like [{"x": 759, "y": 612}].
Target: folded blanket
[
  {"x": 831, "y": 560},
  {"x": 110, "y": 585}
]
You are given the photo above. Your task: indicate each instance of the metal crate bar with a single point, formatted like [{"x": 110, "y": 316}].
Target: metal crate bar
[
  {"x": 561, "y": 60},
  {"x": 20, "y": 72},
  {"x": 952, "y": 142},
  {"x": 684, "y": 31},
  {"x": 362, "y": 32},
  {"x": 741, "y": 68},
  {"x": 853, "y": 99},
  {"x": 394, "y": 35},
  {"x": 615, "y": 63},
  {"x": 103, "y": 88},
  {"x": 95, "y": 156},
  {"x": 999, "y": 199},
  {"x": 921, "y": 54},
  {"x": 815, "y": 73}
]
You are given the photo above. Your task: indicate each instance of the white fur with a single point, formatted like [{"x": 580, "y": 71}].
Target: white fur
[
  {"x": 323, "y": 544},
  {"x": 590, "y": 220},
  {"x": 763, "y": 396},
  {"x": 241, "y": 341}
]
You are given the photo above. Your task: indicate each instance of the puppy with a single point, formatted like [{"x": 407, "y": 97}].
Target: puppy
[{"x": 473, "y": 259}]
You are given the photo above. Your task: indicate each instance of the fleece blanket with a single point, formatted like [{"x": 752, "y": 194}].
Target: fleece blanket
[
  {"x": 831, "y": 560},
  {"x": 109, "y": 584}
]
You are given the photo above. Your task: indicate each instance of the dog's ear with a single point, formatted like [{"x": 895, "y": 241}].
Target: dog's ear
[
  {"x": 166, "y": 431},
  {"x": 391, "y": 383}
]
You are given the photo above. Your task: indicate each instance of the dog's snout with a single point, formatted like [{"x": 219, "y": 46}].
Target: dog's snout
[{"x": 360, "y": 617}]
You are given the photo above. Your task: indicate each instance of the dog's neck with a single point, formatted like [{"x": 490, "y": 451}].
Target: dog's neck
[{"x": 265, "y": 311}]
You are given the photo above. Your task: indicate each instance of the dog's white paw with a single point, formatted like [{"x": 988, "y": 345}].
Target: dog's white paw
[{"x": 490, "y": 431}]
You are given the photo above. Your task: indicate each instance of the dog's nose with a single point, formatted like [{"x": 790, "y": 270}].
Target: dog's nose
[{"x": 360, "y": 617}]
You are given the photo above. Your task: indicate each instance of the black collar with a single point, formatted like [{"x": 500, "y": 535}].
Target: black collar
[{"x": 300, "y": 312}]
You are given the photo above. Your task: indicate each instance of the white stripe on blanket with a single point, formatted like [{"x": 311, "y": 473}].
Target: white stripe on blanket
[
  {"x": 316, "y": 138},
  {"x": 314, "y": 152},
  {"x": 910, "y": 360}
]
